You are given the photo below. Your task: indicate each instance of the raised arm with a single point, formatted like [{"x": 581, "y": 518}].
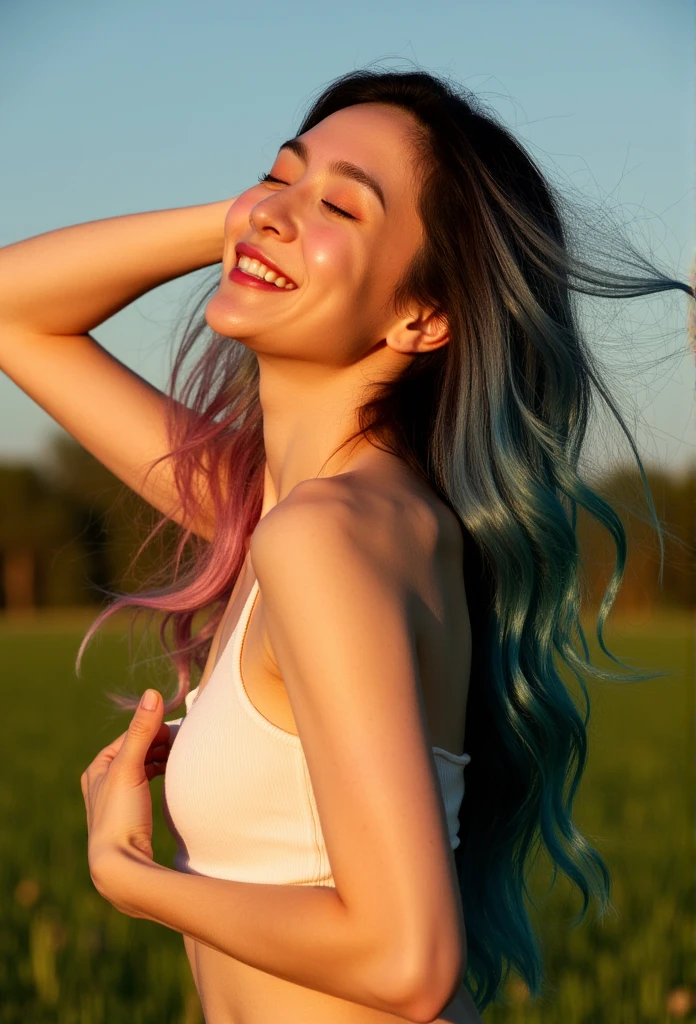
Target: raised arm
[{"x": 58, "y": 286}]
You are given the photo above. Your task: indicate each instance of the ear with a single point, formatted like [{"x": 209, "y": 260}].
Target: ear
[{"x": 423, "y": 331}]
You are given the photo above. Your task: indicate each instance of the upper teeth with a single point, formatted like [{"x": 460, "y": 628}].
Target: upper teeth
[{"x": 257, "y": 269}]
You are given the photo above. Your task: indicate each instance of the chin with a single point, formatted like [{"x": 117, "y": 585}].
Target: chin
[{"x": 224, "y": 319}]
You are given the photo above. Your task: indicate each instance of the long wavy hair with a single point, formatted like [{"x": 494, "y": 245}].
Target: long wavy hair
[{"x": 495, "y": 421}]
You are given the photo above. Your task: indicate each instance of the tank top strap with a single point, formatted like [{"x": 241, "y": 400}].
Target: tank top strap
[{"x": 232, "y": 648}]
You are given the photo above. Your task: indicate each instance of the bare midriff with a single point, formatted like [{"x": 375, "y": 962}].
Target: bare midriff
[{"x": 232, "y": 992}]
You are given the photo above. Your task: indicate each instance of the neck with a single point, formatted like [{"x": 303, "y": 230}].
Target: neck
[{"x": 308, "y": 410}]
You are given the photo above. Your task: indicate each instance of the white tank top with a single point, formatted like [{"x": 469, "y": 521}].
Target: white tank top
[{"x": 237, "y": 795}]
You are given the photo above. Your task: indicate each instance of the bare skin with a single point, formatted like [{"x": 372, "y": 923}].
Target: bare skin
[
  {"x": 57, "y": 287},
  {"x": 317, "y": 346},
  {"x": 389, "y": 501}
]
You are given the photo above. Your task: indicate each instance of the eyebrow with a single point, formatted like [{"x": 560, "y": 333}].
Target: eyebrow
[{"x": 342, "y": 168}]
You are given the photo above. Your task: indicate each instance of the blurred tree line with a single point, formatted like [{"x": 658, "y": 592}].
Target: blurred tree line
[{"x": 70, "y": 531}]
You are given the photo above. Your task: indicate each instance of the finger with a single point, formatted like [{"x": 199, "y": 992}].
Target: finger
[
  {"x": 103, "y": 760},
  {"x": 161, "y": 737},
  {"x": 154, "y": 768},
  {"x": 160, "y": 753},
  {"x": 163, "y": 734},
  {"x": 142, "y": 732},
  {"x": 111, "y": 750}
]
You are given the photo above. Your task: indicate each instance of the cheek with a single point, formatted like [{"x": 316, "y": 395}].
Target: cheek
[{"x": 331, "y": 257}]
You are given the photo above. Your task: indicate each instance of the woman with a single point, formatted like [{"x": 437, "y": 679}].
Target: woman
[{"x": 374, "y": 463}]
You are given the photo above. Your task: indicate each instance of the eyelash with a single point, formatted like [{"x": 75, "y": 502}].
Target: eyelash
[{"x": 336, "y": 209}]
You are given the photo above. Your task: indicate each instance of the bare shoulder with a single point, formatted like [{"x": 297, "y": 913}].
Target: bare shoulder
[
  {"x": 337, "y": 562},
  {"x": 391, "y": 519}
]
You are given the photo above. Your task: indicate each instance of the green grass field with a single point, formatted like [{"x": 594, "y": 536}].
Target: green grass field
[{"x": 67, "y": 957}]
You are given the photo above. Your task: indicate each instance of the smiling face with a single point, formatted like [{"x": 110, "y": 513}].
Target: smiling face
[{"x": 342, "y": 234}]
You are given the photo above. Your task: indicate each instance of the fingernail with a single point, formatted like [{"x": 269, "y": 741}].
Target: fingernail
[{"x": 149, "y": 700}]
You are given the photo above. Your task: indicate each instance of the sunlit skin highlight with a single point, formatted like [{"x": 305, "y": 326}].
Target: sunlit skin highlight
[
  {"x": 320, "y": 344},
  {"x": 495, "y": 423}
]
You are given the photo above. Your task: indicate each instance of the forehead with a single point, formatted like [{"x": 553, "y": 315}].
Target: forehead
[{"x": 373, "y": 135}]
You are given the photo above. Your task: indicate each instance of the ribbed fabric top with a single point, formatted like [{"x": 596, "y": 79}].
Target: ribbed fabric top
[{"x": 237, "y": 794}]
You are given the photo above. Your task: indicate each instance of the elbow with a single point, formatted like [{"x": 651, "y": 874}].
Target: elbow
[
  {"x": 426, "y": 1006},
  {"x": 423, "y": 999}
]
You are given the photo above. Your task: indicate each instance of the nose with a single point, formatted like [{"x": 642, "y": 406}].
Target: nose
[{"x": 272, "y": 215}]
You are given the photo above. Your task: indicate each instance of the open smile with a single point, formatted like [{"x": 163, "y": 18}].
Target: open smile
[{"x": 255, "y": 269}]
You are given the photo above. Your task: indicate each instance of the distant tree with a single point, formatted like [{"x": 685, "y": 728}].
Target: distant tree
[
  {"x": 72, "y": 530},
  {"x": 115, "y": 520},
  {"x": 69, "y": 530},
  {"x": 35, "y": 522},
  {"x": 674, "y": 496}
]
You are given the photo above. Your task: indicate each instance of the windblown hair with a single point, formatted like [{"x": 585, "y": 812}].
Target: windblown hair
[{"x": 495, "y": 421}]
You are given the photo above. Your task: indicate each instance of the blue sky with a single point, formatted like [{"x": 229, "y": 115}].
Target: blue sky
[{"x": 108, "y": 109}]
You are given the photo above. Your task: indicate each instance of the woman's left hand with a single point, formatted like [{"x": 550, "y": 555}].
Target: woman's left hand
[{"x": 116, "y": 789}]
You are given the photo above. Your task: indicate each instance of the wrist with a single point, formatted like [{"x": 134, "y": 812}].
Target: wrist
[{"x": 115, "y": 870}]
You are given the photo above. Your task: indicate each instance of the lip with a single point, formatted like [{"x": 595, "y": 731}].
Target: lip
[{"x": 244, "y": 249}]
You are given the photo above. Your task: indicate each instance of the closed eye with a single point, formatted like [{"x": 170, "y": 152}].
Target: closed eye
[{"x": 335, "y": 209}]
